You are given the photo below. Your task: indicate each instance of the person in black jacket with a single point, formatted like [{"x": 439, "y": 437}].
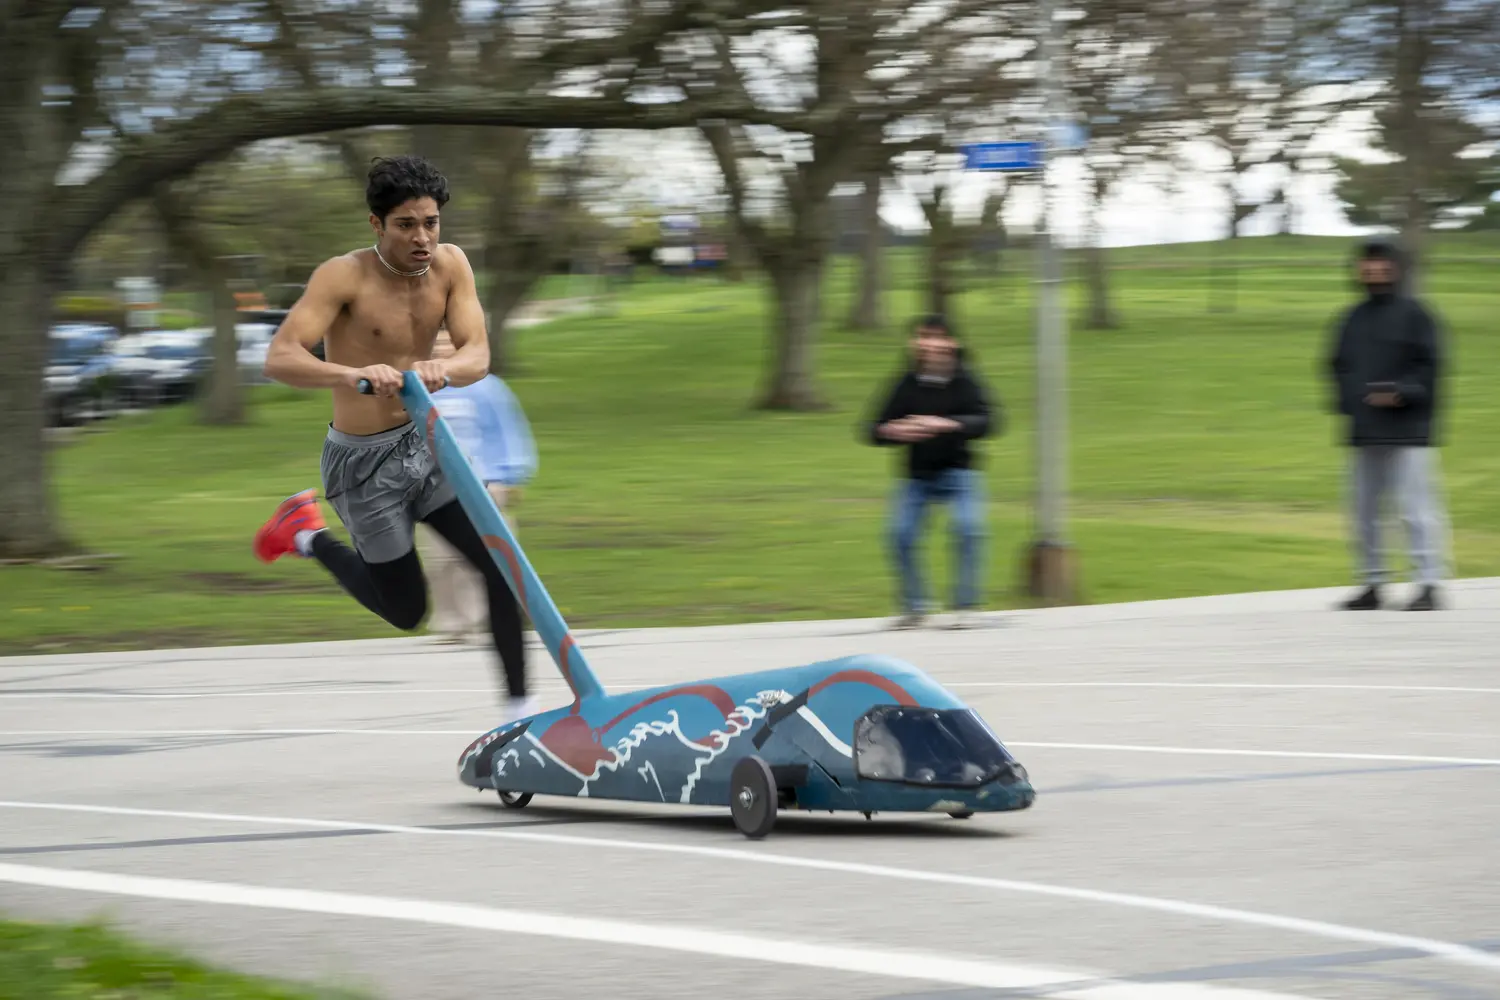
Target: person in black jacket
[
  {"x": 936, "y": 409},
  {"x": 1386, "y": 366}
]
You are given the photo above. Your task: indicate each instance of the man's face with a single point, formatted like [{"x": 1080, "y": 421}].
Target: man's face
[
  {"x": 410, "y": 234},
  {"x": 935, "y": 348},
  {"x": 1377, "y": 273}
]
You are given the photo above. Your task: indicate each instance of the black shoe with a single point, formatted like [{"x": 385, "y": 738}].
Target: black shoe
[
  {"x": 1367, "y": 600},
  {"x": 1426, "y": 600}
]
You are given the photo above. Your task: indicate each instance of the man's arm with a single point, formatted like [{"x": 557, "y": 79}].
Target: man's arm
[
  {"x": 1338, "y": 366},
  {"x": 471, "y": 343},
  {"x": 880, "y": 430},
  {"x": 289, "y": 356},
  {"x": 979, "y": 418},
  {"x": 1416, "y": 384}
]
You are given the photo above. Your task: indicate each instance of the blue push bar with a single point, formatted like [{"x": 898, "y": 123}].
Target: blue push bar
[{"x": 503, "y": 547}]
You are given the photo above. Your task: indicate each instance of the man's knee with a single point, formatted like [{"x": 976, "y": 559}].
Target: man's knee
[
  {"x": 409, "y": 618},
  {"x": 402, "y": 590}
]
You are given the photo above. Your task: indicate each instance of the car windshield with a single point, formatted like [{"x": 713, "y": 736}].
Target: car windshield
[
  {"x": 74, "y": 349},
  {"x": 180, "y": 352},
  {"x": 927, "y": 746}
]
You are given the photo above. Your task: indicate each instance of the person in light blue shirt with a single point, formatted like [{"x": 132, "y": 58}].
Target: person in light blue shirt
[{"x": 492, "y": 430}]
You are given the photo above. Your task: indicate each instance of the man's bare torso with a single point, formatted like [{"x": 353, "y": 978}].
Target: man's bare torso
[{"x": 388, "y": 320}]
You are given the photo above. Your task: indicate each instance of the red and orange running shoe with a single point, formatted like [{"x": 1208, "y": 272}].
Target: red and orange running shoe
[{"x": 278, "y": 536}]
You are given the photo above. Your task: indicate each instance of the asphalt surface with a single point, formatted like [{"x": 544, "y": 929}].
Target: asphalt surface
[{"x": 1247, "y": 793}]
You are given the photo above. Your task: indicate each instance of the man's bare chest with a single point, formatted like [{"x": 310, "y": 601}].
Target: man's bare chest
[{"x": 398, "y": 320}]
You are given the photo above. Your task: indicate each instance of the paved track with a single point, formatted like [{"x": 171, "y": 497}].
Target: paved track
[{"x": 1245, "y": 793}]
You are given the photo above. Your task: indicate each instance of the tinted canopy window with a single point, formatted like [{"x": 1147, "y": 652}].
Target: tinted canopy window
[{"x": 927, "y": 746}]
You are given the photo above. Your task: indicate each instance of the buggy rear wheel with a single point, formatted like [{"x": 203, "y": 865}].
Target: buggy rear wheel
[{"x": 515, "y": 800}]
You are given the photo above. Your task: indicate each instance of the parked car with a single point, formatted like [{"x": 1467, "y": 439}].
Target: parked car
[
  {"x": 80, "y": 383},
  {"x": 163, "y": 366},
  {"x": 254, "y": 340}
]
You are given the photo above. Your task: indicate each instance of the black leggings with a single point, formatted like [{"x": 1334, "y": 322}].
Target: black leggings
[{"x": 397, "y": 590}]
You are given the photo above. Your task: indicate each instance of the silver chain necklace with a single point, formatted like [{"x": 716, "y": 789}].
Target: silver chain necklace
[{"x": 405, "y": 274}]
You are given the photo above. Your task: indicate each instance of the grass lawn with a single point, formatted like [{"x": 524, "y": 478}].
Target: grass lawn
[
  {"x": 86, "y": 961},
  {"x": 1203, "y": 460}
]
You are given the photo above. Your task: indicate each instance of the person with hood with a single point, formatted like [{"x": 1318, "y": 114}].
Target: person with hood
[
  {"x": 936, "y": 409},
  {"x": 1386, "y": 365}
]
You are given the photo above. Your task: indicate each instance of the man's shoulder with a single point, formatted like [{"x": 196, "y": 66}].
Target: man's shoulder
[
  {"x": 351, "y": 263},
  {"x": 339, "y": 277},
  {"x": 452, "y": 259},
  {"x": 969, "y": 376},
  {"x": 1417, "y": 307}
]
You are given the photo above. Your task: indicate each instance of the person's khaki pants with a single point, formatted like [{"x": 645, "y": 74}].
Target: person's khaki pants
[{"x": 456, "y": 590}]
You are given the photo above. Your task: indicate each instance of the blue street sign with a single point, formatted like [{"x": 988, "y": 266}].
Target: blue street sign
[{"x": 1003, "y": 156}]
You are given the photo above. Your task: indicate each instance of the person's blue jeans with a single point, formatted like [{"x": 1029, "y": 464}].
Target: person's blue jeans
[{"x": 962, "y": 490}]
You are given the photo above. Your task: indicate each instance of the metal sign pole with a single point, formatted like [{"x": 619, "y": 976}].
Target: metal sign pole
[
  {"x": 1050, "y": 558},
  {"x": 1050, "y": 573}
]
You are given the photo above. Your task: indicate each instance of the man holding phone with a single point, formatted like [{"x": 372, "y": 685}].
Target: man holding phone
[
  {"x": 1385, "y": 366},
  {"x": 937, "y": 408}
]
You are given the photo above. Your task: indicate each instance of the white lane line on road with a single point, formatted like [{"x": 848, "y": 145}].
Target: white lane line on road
[
  {"x": 192, "y": 695},
  {"x": 1446, "y": 950},
  {"x": 622, "y": 685},
  {"x": 889, "y": 963},
  {"x": 469, "y": 734},
  {"x": 1227, "y": 686},
  {"x": 1235, "y": 752},
  {"x": 161, "y": 733}
]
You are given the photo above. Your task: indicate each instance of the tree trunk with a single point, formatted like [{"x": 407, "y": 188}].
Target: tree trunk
[
  {"x": 991, "y": 235},
  {"x": 942, "y": 249},
  {"x": 508, "y": 290},
  {"x": 865, "y": 312},
  {"x": 223, "y": 401},
  {"x": 29, "y": 520},
  {"x": 798, "y": 287},
  {"x": 194, "y": 246},
  {"x": 1414, "y": 241},
  {"x": 1410, "y": 135},
  {"x": 939, "y": 281},
  {"x": 1101, "y": 314},
  {"x": 739, "y": 257}
]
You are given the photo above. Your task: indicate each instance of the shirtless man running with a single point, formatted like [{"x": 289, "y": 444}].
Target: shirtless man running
[{"x": 378, "y": 312}]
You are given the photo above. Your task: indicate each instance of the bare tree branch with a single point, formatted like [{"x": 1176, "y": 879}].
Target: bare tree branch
[{"x": 239, "y": 121}]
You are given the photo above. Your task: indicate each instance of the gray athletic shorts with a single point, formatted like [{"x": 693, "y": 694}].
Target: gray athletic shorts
[{"x": 381, "y": 485}]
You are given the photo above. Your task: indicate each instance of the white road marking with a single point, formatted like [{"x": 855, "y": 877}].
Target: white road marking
[
  {"x": 623, "y": 686},
  {"x": 469, "y": 734},
  {"x": 1226, "y": 685},
  {"x": 889, "y": 963},
  {"x": 1457, "y": 953},
  {"x": 192, "y": 695},
  {"x": 1233, "y": 752},
  {"x": 160, "y": 733}
]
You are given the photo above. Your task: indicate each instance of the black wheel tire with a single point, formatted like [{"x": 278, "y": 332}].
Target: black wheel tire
[
  {"x": 752, "y": 797},
  {"x": 962, "y": 814},
  {"x": 515, "y": 800}
]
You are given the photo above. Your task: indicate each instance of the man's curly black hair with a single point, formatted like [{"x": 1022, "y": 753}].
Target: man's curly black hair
[{"x": 397, "y": 179}]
